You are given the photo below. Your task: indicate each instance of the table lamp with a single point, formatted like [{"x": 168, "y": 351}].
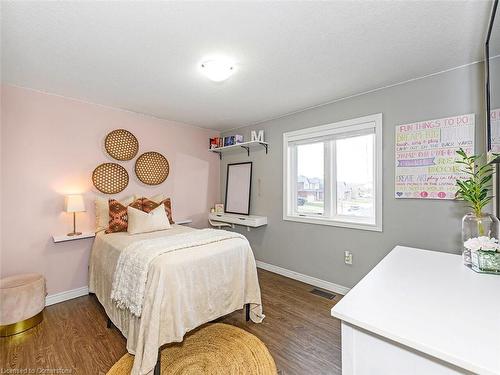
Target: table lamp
[{"x": 74, "y": 204}]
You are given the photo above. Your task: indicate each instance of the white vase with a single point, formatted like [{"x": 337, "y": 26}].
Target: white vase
[{"x": 474, "y": 226}]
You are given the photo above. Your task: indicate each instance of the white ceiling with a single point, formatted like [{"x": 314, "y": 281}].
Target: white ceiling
[{"x": 143, "y": 56}]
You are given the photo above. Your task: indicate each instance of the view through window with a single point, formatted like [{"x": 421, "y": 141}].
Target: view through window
[
  {"x": 311, "y": 178},
  {"x": 333, "y": 174},
  {"x": 355, "y": 176}
]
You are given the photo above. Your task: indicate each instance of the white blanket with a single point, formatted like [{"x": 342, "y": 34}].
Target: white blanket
[
  {"x": 131, "y": 272},
  {"x": 184, "y": 289}
]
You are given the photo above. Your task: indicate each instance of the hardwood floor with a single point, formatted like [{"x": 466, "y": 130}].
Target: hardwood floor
[{"x": 298, "y": 330}]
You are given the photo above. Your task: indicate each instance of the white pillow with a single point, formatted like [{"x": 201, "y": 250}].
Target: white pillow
[
  {"x": 102, "y": 211},
  {"x": 142, "y": 222}
]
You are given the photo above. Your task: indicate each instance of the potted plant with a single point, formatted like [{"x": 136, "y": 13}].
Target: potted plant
[{"x": 476, "y": 191}]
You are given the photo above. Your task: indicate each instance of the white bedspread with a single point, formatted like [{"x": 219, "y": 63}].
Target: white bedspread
[
  {"x": 129, "y": 281},
  {"x": 184, "y": 289}
]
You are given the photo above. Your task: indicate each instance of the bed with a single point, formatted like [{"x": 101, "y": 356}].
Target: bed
[{"x": 185, "y": 288}]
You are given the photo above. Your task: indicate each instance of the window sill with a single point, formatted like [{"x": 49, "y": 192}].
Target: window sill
[{"x": 334, "y": 223}]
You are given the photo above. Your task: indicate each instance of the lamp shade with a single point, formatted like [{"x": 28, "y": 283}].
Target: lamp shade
[{"x": 74, "y": 203}]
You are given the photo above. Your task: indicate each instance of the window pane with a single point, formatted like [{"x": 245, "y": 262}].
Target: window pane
[
  {"x": 355, "y": 188},
  {"x": 310, "y": 178}
]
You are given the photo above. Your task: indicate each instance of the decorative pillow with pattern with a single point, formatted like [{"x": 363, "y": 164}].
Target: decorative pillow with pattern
[
  {"x": 118, "y": 218},
  {"x": 102, "y": 211},
  {"x": 148, "y": 205}
]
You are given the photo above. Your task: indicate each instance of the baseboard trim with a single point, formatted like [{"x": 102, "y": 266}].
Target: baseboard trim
[
  {"x": 332, "y": 287},
  {"x": 67, "y": 295}
]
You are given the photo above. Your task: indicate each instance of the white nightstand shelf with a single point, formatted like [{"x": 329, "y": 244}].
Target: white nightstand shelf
[
  {"x": 184, "y": 222},
  {"x": 65, "y": 237}
]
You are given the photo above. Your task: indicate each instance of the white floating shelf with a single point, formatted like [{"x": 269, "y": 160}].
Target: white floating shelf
[
  {"x": 244, "y": 145},
  {"x": 65, "y": 237},
  {"x": 184, "y": 222}
]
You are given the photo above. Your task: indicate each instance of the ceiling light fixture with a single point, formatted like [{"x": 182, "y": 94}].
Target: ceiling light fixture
[{"x": 217, "y": 70}]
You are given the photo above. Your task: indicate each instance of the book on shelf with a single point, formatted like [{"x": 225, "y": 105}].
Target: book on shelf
[
  {"x": 214, "y": 142},
  {"x": 230, "y": 140}
]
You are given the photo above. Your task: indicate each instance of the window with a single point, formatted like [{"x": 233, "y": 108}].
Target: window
[{"x": 333, "y": 174}]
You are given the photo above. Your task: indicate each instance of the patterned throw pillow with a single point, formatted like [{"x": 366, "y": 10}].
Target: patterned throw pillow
[
  {"x": 149, "y": 205},
  {"x": 118, "y": 218},
  {"x": 102, "y": 211}
]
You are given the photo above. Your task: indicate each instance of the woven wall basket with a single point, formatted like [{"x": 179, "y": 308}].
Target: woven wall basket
[
  {"x": 152, "y": 168},
  {"x": 110, "y": 178},
  {"x": 121, "y": 144}
]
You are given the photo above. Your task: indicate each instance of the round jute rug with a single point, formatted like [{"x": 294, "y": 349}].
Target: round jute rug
[{"x": 214, "y": 349}]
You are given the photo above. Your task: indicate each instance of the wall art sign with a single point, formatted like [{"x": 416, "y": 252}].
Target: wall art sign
[
  {"x": 495, "y": 130},
  {"x": 426, "y": 154}
]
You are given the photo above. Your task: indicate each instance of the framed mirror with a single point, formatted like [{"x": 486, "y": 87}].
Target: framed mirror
[
  {"x": 492, "y": 67},
  {"x": 238, "y": 188}
]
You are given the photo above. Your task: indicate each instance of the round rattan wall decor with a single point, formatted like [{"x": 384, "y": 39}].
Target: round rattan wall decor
[
  {"x": 110, "y": 178},
  {"x": 152, "y": 168},
  {"x": 121, "y": 144}
]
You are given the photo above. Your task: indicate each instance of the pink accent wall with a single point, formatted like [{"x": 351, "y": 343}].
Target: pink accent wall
[{"x": 49, "y": 147}]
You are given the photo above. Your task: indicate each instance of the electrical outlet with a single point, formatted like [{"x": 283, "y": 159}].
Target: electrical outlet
[{"x": 347, "y": 257}]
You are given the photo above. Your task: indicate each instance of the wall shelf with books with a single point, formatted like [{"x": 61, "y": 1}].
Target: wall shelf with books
[{"x": 243, "y": 145}]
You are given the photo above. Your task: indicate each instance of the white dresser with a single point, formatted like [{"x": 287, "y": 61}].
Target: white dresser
[{"x": 421, "y": 312}]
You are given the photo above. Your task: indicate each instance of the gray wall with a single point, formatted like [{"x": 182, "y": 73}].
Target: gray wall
[{"x": 317, "y": 250}]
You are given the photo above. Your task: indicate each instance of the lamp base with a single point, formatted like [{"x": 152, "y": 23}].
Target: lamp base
[{"x": 74, "y": 233}]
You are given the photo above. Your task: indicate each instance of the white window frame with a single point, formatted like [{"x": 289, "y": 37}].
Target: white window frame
[{"x": 360, "y": 124}]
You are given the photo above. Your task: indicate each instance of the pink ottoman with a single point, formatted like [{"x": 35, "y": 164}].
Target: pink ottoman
[{"x": 22, "y": 300}]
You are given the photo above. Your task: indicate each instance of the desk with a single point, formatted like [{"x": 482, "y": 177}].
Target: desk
[{"x": 249, "y": 221}]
